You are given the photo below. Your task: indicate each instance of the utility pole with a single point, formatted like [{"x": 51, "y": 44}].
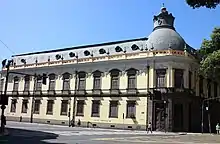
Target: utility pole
[
  {"x": 74, "y": 99},
  {"x": 4, "y": 98}
]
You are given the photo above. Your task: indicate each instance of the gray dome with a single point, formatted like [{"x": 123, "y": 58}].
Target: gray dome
[{"x": 165, "y": 38}]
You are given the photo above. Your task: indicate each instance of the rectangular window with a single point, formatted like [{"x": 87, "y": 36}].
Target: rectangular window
[
  {"x": 131, "y": 81},
  {"x": 36, "y": 106},
  {"x": 215, "y": 89},
  {"x": 26, "y": 83},
  {"x": 95, "y": 108},
  {"x": 97, "y": 83},
  {"x": 113, "y": 109},
  {"x": 1, "y": 85},
  {"x": 161, "y": 78},
  {"x": 16, "y": 84},
  {"x": 50, "y": 107},
  {"x": 64, "y": 107},
  {"x": 201, "y": 85},
  {"x": 131, "y": 109},
  {"x": 24, "y": 106},
  {"x": 115, "y": 82},
  {"x": 190, "y": 80},
  {"x": 39, "y": 84},
  {"x": 66, "y": 84},
  {"x": 178, "y": 78},
  {"x": 80, "y": 108},
  {"x": 13, "y": 105},
  {"x": 52, "y": 85},
  {"x": 82, "y": 84}
]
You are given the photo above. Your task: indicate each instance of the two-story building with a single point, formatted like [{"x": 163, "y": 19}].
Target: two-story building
[{"x": 122, "y": 84}]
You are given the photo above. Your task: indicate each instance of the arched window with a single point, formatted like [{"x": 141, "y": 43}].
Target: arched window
[
  {"x": 26, "y": 83},
  {"x": 66, "y": 81},
  {"x": 97, "y": 80},
  {"x": 82, "y": 80},
  {"x": 52, "y": 81},
  {"x": 132, "y": 79},
  {"x": 16, "y": 84},
  {"x": 115, "y": 79}
]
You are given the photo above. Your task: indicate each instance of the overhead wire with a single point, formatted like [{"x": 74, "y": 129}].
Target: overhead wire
[{"x": 7, "y": 47}]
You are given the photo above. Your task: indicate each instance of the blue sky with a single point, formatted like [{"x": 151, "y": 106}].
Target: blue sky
[{"x": 36, "y": 25}]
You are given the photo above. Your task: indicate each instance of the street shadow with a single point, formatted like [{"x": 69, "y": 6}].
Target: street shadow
[{"x": 21, "y": 136}]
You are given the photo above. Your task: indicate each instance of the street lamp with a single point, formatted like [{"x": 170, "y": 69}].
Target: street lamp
[{"x": 4, "y": 98}]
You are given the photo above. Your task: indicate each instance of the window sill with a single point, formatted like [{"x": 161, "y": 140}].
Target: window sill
[
  {"x": 113, "y": 116},
  {"x": 82, "y": 115},
  {"x": 49, "y": 113},
  {"x": 63, "y": 114},
  {"x": 95, "y": 116}
]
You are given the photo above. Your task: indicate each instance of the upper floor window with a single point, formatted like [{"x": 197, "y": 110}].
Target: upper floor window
[
  {"x": 178, "y": 78},
  {"x": 16, "y": 83},
  {"x": 132, "y": 79},
  {"x": 131, "y": 109},
  {"x": 201, "y": 85},
  {"x": 160, "y": 78},
  {"x": 1, "y": 84},
  {"x": 190, "y": 80},
  {"x": 115, "y": 78},
  {"x": 82, "y": 80},
  {"x": 26, "y": 83},
  {"x": 215, "y": 89},
  {"x": 66, "y": 81},
  {"x": 97, "y": 80},
  {"x": 52, "y": 81},
  {"x": 39, "y": 83}
]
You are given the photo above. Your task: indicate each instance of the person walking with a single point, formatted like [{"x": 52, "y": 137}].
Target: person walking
[
  {"x": 217, "y": 127},
  {"x": 149, "y": 127}
]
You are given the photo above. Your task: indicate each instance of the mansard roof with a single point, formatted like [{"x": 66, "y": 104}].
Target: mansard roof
[{"x": 83, "y": 46}]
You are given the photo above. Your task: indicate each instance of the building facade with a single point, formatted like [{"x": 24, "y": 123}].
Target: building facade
[{"x": 123, "y": 84}]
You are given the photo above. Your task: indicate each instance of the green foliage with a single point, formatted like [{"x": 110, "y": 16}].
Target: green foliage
[
  {"x": 203, "y": 3},
  {"x": 210, "y": 66},
  {"x": 210, "y": 51}
]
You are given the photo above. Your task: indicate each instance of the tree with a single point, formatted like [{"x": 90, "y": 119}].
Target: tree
[
  {"x": 203, "y": 3},
  {"x": 210, "y": 51}
]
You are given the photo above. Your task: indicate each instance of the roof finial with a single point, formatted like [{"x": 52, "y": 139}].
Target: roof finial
[{"x": 163, "y": 9}]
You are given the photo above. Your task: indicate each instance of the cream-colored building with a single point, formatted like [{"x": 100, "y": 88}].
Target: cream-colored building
[{"x": 122, "y": 84}]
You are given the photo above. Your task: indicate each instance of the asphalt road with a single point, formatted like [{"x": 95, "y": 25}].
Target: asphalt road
[{"x": 26, "y": 133}]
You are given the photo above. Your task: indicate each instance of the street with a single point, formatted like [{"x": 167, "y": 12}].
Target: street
[{"x": 27, "y": 133}]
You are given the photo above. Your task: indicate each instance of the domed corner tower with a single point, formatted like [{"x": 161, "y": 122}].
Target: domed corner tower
[{"x": 164, "y": 35}]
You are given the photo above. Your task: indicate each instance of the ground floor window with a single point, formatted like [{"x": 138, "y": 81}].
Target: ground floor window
[
  {"x": 131, "y": 109},
  {"x": 113, "y": 109},
  {"x": 95, "y": 108},
  {"x": 64, "y": 107},
  {"x": 13, "y": 105},
  {"x": 50, "y": 107},
  {"x": 24, "y": 106},
  {"x": 80, "y": 108},
  {"x": 36, "y": 106}
]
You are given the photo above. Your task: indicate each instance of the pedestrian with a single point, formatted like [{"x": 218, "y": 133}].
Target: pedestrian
[
  {"x": 217, "y": 127},
  {"x": 149, "y": 127}
]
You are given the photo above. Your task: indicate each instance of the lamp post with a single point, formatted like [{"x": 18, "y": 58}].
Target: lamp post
[
  {"x": 165, "y": 102},
  {"x": 33, "y": 99},
  {"x": 4, "y": 98}
]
